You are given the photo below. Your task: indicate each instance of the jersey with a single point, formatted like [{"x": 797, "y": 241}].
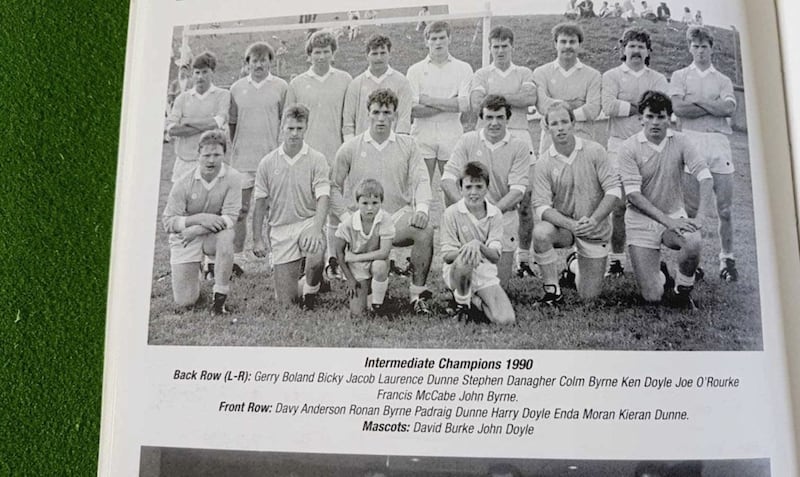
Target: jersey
[
  {"x": 492, "y": 80},
  {"x": 256, "y": 109}
]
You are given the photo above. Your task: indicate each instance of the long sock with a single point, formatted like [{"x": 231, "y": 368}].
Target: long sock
[
  {"x": 379, "y": 291},
  {"x": 462, "y": 299},
  {"x": 414, "y": 291}
]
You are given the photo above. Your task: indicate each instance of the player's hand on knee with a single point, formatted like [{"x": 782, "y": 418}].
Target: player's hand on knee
[
  {"x": 310, "y": 241},
  {"x": 190, "y": 233},
  {"x": 585, "y": 226},
  {"x": 419, "y": 220},
  {"x": 213, "y": 222}
]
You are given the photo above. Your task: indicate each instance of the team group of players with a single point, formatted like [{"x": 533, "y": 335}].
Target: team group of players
[{"x": 341, "y": 169}]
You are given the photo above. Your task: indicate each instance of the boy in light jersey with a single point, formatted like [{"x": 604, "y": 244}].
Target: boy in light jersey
[
  {"x": 507, "y": 159},
  {"x": 623, "y": 86},
  {"x": 574, "y": 190},
  {"x": 355, "y": 118},
  {"x": 257, "y": 102},
  {"x": 395, "y": 161},
  {"x": 651, "y": 168},
  {"x": 516, "y": 84},
  {"x": 200, "y": 214},
  {"x": 322, "y": 88},
  {"x": 704, "y": 100},
  {"x": 362, "y": 245},
  {"x": 472, "y": 237},
  {"x": 292, "y": 189}
]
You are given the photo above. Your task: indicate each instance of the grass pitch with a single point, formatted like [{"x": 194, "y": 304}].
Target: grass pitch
[{"x": 729, "y": 314}]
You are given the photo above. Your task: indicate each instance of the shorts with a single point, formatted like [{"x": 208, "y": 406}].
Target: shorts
[
  {"x": 181, "y": 168},
  {"x": 361, "y": 270},
  {"x": 715, "y": 149},
  {"x": 401, "y": 213},
  {"x": 437, "y": 139},
  {"x": 589, "y": 249},
  {"x": 642, "y": 231},
  {"x": 483, "y": 276},
  {"x": 510, "y": 230},
  {"x": 283, "y": 241},
  {"x": 248, "y": 179},
  {"x": 525, "y": 135},
  {"x": 192, "y": 252}
]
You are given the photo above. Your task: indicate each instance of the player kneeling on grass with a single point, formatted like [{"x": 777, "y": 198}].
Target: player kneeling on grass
[
  {"x": 362, "y": 245},
  {"x": 472, "y": 242},
  {"x": 201, "y": 211},
  {"x": 651, "y": 166},
  {"x": 574, "y": 191},
  {"x": 293, "y": 188}
]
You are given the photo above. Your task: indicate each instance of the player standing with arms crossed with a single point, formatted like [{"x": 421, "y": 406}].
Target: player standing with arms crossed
[
  {"x": 394, "y": 160},
  {"x": 292, "y": 190},
  {"x": 704, "y": 99},
  {"x": 440, "y": 84},
  {"x": 516, "y": 84},
  {"x": 623, "y": 87},
  {"x": 322, "y": 89},
  {"x": 355, "y": 118},
  {"x": 257, "y": 102}
]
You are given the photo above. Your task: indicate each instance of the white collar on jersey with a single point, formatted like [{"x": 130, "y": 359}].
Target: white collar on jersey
[
  {"x": 557, "y": 66},
  {"x": 658, "y": 147},
  {"x": 211, "y": 89},
  {"x": 627, "y": 69},
  {"x": 258, "y": 85},
  {"x": 357, "y": 225},
  {"x": 379, "y": 146},
  {"x": 378, "y": 79},
  {"x": 292, "y": 160},
  {"x": 569, "y": 160},
  {"x": 708, "y": 71},
  {"x": 506, "y": 139},
  {"x": 491, "y": 209}
]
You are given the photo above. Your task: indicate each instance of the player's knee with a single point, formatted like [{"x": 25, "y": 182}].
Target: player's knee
[
  {"x": 380, "y": 270},
  {"x": 424, "y": 236},
  {"x": 186, "y": 295},
  {"x": 542, "y": 236},
  {"x": 693, "y": 243},
  {"x": 652, "y": 294},
  {"x": 724, "y": 212},
  {"x": 461, "y": 268},
  {"x": 225, "y": 241}
]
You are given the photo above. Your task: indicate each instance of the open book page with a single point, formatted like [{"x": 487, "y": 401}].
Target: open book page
[{"x": 382, "y": 238}]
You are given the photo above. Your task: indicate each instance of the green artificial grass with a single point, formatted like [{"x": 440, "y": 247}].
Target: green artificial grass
[{"x": 61, "y": 90}]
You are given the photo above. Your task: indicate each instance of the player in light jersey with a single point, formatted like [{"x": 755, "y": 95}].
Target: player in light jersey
[
  {"x": 507, "y": 158},
  {"x": 202, "y": 108},
  {"x": 575, "y": 189},
  {"x": 322, "y": 88},
  {"x": 623, "y": 86},
  {"x": 651, "y": 166},
  {"x": 440, "y": 84},
  {"x": 516, "y": 84},
  {"x": 200, "y": 214},
  {"x": 472, "y": 237},
  {"x": 257, "y": 102},
  {"x": 363, "y": 244},
  {"x": 293, "y": 190},
  {"x": 704, "y": 99},
  {"x": 395, "y": 161},
  {"x": 355, "y": 118}
]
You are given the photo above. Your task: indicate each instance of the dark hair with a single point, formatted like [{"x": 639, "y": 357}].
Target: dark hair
[
  {"x": 259, "y": 49},
  {"x": 376, "y": 41},
  {"x": 635, "y": 34},
  {"x": 656, "y": 101},
  {"x": 501, "y": 33},
  {"x": 556, "y": 107},
  {"x": 321, "y": 39},
  {"x": 213, "y": 137},
  {"x": 369, "y": 188},
  {"x": 567, "y": 29},
  {"x": 384, "y": 97},
  {"x": 437, "y": 26},
  {"x": 495, "y": 102},
  {"x": 297, "y": 112},
  {"x": 205, "y": 59},
  {"x": 475, "y": 170},
  {"x": 699, "y": 34}
]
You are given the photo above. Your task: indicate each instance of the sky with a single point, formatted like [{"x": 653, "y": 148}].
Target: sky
[{"x": 723, "y": 13}]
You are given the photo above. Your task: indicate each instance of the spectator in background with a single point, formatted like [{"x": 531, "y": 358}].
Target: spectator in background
[
  {"x": 663, "y": 12},
  {"x": 422, "y": 14},
  {"x": 648, "y": 13},
  {"x": 617, "y": 12},
  {"x": 280, "y": 58},
  {"x": 687, "y": 16},
  {"x": 179, "y": 85},
  {"x": 698, "y": 18},
  {"x": 586, "y": 8},
  {"x": 605, "y": 11},
  {"x": 572, "y": 12},
  {"x": 628, "y": 10}
]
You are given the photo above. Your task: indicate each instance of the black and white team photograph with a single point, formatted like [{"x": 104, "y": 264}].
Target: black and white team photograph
[{"x": 420, "y": 177}]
